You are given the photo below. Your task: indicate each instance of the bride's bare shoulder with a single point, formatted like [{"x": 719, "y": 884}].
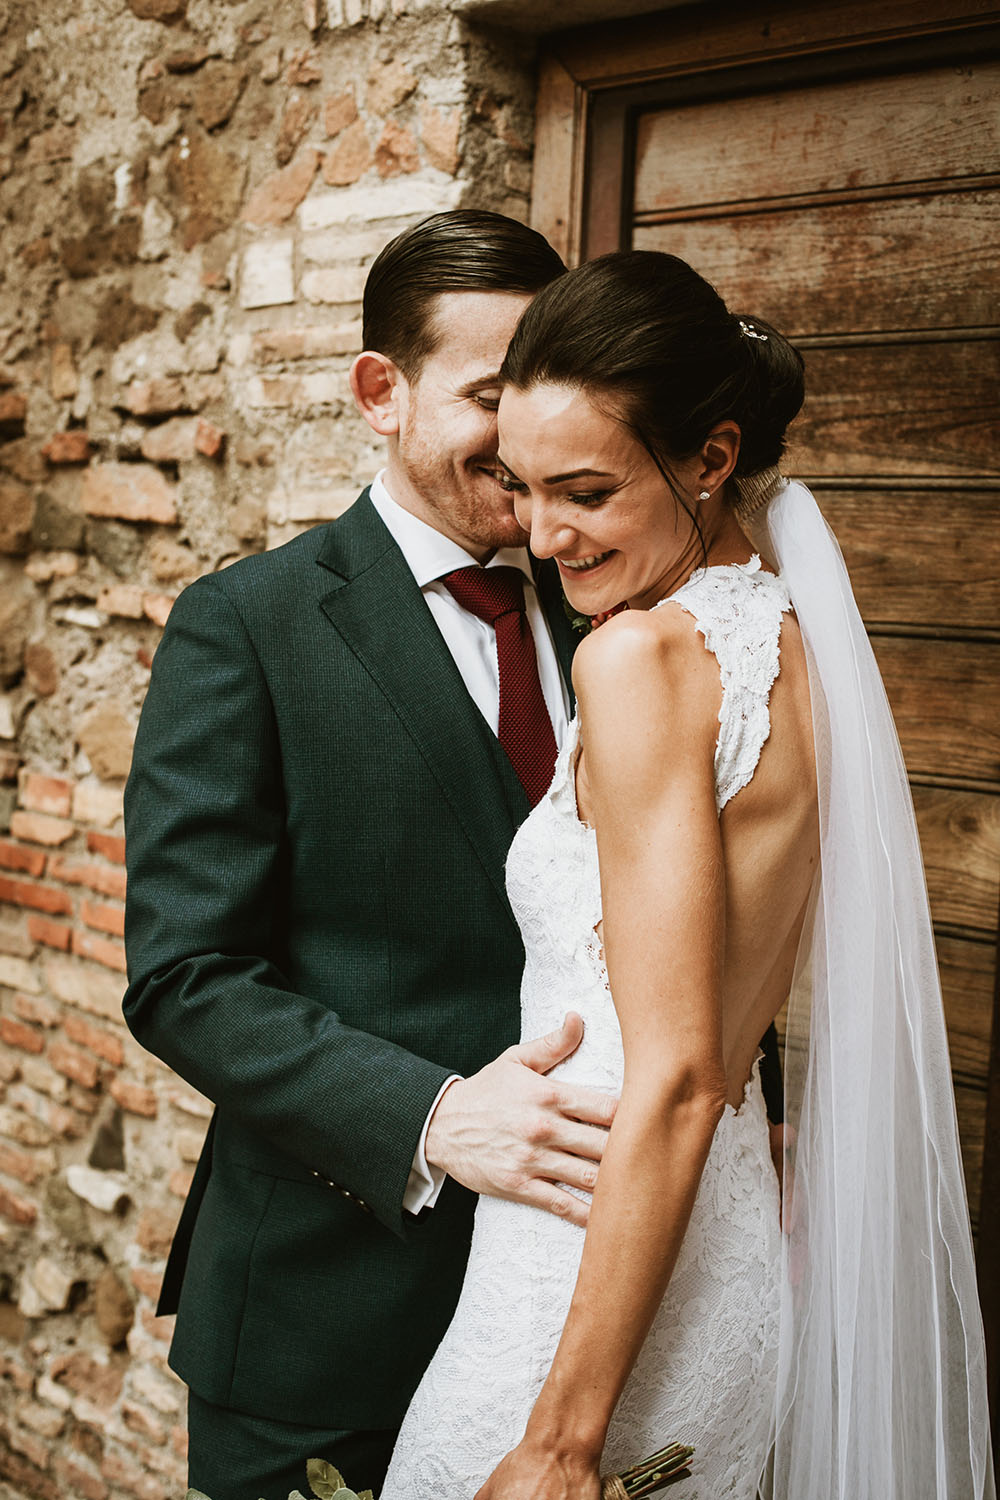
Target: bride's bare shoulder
[{"x": 642, "y": 662}]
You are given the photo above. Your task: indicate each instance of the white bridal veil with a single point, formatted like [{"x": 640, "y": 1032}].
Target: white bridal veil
[{"x": 882, "y": 1370}]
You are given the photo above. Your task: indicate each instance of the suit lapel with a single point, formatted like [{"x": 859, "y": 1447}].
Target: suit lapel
[{"x": 380, "y": 613}]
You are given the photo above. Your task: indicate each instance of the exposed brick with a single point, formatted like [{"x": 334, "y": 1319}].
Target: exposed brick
[
  {"x": 157, "y": 607},
  {"x": 96, "y": 991},
  {"x": 16, "y": 857},
  {"x": 39, "y": 828},
  {"x": 146, "y": 1283},
  {"x": 101, "y": 950},
  {"x": 46, "y": 1420},
  {"x": 74, "y": 1065},
  {"x": 124, "y": 599},
  {"x": 80, "y": 1481},
  {"x": 156, "y": 398},
  {"x": 439, "y": 131},
  {"x": 41, "y": 668},
  {"x": 133, "y": 1097},
  {"x": 43, "y": 1079},
  {"x": 94, "y": 802},
  {"x": 37, "y": 897},
  {"x": 396, "y": 151},
  {"x": 111, "y": 845},
  {"x": 64, "y": 382},
  {"x": 103, "y": 1043},
  {"x": 17, "y": 974},
  {"x": 51, "y": 934},
  {"x": 179, "y": 1182},
  {"x": 68, "y": 448},
  {"x": 209, "y": 439},
  {"x": 158, "y": 1328},
  {"x": 18, "y": 1127},
  {"x": 140, "y": 1421},
  {"x": 389, "y": 83},
  {"x": 99, "y": 1382},
  {"x": 18, "y": 1210},
  {"x": 16, "y": 1034},
  {"x": 46, "y": 794},
  {"x": 128, "y": 492},
  {"x": 17, "y": 1374},
  {"x": 40, "y": 1112},
  {"x": 349, "y": 158},
  {"x": 30, "y": 1446},
  {"x": 127, "y": 1476},
  {"x": 279, "y": 195},
  {"x": 22, "y": 1165},
  {"x": 339, "y": 111},
  {"x": 163, "y": 1394},
  {"x": 35, "y": 1008},
  {"x": 13, "y": 410},
  {"x": 155, "y": 1234},
  {"x": 103, "y": 918},
  {"x": 173, "y": 441},
  {"x": 96, "y": 877},
  {"x": 44, "y": 566}
]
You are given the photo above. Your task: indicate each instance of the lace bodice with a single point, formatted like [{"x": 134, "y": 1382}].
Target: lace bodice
[{"x": 738, "y": 609}]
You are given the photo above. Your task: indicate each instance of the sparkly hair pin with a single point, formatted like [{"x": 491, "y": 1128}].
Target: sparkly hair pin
[{"x": 750, "y": 332}]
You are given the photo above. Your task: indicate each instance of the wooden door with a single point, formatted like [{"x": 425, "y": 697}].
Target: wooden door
[{"x": 838, "y": 174}]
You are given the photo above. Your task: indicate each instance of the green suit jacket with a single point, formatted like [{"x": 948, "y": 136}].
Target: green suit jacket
[{"x": 318, "y": 935}]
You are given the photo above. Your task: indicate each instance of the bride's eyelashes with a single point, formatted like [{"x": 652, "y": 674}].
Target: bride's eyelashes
[
  {"x": 510, "y": 484},
  {"x": 592, "y": 498}
]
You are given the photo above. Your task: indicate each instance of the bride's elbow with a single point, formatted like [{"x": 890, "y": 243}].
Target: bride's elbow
[{"x": 690, "y": 1092}]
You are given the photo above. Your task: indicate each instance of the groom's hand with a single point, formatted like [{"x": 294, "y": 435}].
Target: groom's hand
[{"x": 510, "y": 1132}]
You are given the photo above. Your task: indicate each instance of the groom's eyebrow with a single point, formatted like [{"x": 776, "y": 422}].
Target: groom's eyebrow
[{"x": 480, "y": 382}]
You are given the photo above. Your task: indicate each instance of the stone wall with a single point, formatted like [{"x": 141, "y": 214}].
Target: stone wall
[{"x": 192, "y": 190}]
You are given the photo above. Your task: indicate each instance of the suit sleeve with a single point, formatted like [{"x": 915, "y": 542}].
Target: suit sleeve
[{"x": 205, "y": 820}]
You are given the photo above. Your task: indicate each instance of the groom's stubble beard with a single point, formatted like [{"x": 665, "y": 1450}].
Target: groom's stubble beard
[{"x": 460, "y": 488}]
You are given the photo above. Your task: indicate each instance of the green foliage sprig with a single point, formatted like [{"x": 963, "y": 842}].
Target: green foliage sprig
[{"x": 325, "y": 1482}]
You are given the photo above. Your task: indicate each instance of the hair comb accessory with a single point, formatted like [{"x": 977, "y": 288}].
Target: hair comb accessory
[
  {"x": 750, "y": 332},
  {"x": 753, "y": 491}
]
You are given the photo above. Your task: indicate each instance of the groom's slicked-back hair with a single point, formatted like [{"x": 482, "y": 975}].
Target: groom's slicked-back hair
[{"x": 466, "y": 250}]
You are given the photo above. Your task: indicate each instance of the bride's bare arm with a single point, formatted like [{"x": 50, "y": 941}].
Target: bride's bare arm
[{"x": 649, "y": 701}]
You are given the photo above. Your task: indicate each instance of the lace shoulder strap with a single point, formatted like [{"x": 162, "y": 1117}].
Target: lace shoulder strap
[{"x": 738, "y": 609}]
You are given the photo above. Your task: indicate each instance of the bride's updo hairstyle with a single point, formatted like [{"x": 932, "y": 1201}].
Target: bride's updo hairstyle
[{"x": 648, "y": 337}]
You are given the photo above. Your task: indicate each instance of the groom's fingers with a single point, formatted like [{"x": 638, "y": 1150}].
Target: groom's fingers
[
  {"x": 556, "y": 1200},
  {"x": 544, "y": 1052}
]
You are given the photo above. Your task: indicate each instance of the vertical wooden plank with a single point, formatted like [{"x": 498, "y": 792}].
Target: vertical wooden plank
[{"x": 559, "y": 135}]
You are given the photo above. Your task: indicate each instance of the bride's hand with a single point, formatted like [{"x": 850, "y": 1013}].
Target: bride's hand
[{"x": 530, "y": 1473}]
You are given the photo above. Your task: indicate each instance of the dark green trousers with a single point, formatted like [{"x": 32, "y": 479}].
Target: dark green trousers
[{"x": 233, "y": 1456}]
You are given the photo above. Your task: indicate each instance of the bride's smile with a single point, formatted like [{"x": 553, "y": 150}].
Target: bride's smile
[{"x": 593, "y": 497}]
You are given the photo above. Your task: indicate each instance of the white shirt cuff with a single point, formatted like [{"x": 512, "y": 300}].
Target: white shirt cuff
[{"x": 424, "y": 1182}]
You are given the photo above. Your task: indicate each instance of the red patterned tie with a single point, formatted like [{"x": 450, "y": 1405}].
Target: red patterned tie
[{"x": 496, "y": 595}]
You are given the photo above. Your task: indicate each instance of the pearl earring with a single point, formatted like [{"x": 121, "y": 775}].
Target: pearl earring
[{"x": 705, "y": 495}]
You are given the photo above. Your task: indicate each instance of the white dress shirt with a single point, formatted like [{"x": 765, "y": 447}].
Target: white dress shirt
[{"x": 472, "y": 643}]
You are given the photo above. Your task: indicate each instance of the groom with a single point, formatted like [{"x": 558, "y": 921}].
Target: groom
[{"x": 318, "y": 932}]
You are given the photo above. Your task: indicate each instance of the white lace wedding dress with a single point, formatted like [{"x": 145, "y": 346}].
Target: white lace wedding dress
[{"x": 706, "y": 1372}]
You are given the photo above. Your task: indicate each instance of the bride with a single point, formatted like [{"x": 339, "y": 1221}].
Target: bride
[{"x": 728, "y": 821}]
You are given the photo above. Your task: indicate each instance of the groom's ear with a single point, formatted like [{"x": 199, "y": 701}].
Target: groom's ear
[{"x": 376, "y": 384}]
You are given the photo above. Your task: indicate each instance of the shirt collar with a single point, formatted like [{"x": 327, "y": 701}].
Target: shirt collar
[{"x": 430, "y": 554}]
